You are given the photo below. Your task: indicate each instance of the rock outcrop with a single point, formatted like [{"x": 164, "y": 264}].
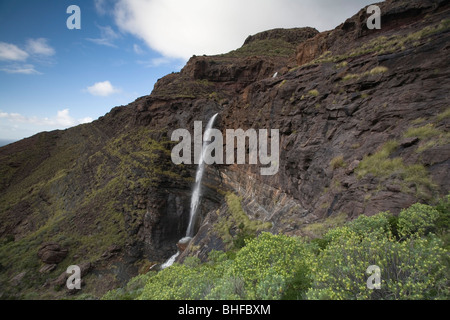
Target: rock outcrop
[{"x": 52, "y": 253}]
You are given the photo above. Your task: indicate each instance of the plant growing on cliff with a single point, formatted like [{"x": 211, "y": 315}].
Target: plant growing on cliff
[
  {"x": 337, "y": 162},
  {"x": 314, "y": 93},
  {"x": 381, "y": 165},
  {"x": 238, "y": 219}
]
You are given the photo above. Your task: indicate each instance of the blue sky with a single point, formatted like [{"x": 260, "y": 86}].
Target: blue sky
[{"x": 53, "y": 78}]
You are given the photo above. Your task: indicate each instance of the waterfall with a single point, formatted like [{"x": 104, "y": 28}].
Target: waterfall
[{"x": 196, "y": 194}]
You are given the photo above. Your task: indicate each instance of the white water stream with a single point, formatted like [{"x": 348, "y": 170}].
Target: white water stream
[{"x": 196, "y": 194}]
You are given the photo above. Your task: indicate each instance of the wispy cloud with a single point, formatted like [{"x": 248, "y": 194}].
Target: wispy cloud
[
  {"x": 155, "y": 62},
  {"x": 138, "y": 50},
  {"x": 40, "y": 47},
  {"x": 38, "y": 50},
  {"x": 11, "y": 52},
  {"x": 103, "y": 7},
  {"x": 62, "y": 119},
  {"x": 102, "y": 89},
  {"x": 100, "y": 6},
  {"x": 107, "y": 37},
  {"x": 20, "y": 69}
]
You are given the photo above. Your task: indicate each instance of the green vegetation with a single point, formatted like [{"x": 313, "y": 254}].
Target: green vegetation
[
  {"x": 443, "y": 115},
  {"x": 381, "y": 165},
  {"x": 343, "y": 64},
  {"x": 314, "y": 93},
  {"x": 319, "y": 229},
  {"x": 372, "y": 72},
  {"x": 386, "y": 45},
  {"x": 185, "y": 88},
  {"x": 91, "y": 221},
  {"x": 409, "y": 250},
  {"x": 350, "y": 76},
  {"x": 239, "y": 222},
  {"x": 268, "y": 48},
  {"x": 425, "y": 132},
  {"x": 378, "y": 70},
  {"x": 338, "y": 162},
  {"x": 430, "y": 136},
  {"x": 418, "y": 121}
]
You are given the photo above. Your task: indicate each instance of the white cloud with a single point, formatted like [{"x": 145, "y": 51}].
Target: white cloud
[
  {"x": 137, "y": 49},
  {"x": 85, "y": 120},
  {"x": 62, "y": 119},
  {"x": 12, "y": 52},
  {"x": 20, "y": 69},
  {"x": 102, "y": 89},
  {"x": 155, "y": 62},
  {"x": 180, "y": 29},
  {"x": 107, "y": 37},
  {"x": 100, "y": 6},
  {"x": 104, "y": 7},
  {"x": 39, "y": 47}
]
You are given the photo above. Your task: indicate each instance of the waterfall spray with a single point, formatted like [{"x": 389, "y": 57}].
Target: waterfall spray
[{"x": 196, "y": 194}]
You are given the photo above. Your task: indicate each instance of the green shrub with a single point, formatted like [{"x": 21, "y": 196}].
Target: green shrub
[
  {"x": 424, "y": 132},
  {"x": 417, "y": 220},
  {"x": 131, "y": 291},
  {"x": 378, "y": 223},
  {"x": 381, "y": 165},
  {"x": 231, "y": 288},
  {"x": 411, "y": 269},
  {"x": 271, "y": 287},
  {"x": 318, "y": 229},
  {"x": 266, "y": 255},
  {"x": 301, "y": 281},
  {"x": 180, "y": 282},
  {"x": 412, "y": 258},
  {"x": 443, "y": 207}
]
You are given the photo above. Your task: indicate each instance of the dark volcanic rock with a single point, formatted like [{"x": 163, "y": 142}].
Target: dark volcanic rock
[{"x": 52, "y": 253}]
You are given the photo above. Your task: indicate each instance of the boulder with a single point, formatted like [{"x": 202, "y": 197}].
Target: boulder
[
  {"x": 183, "y": 243},
  {"x": 52, "y": 253}
]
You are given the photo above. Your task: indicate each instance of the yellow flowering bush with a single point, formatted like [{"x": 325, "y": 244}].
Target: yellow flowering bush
[
  {"x": 413, "y": 268},
  {"x": 270, "y": 255},
  {"x": 410, "y": 252},
  {"x": 417, "y": 220}
]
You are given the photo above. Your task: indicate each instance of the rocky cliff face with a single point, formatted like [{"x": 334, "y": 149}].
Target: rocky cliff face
[{"x": 363, "y": 118}]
